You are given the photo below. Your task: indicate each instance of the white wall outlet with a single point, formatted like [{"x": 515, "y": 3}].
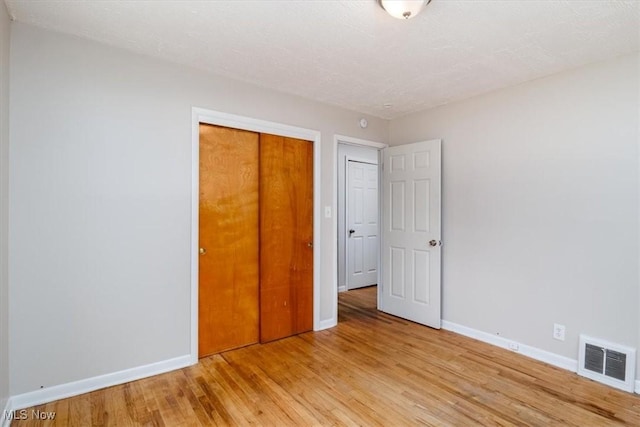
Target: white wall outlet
[
  {"x": 327, "y": 211},
  {"x": 558, "y": 331},
  {"x": 514, "y": 346}
]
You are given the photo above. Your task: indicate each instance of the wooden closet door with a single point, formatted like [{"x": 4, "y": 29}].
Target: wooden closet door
[
  {"x": 286, "y": 236},
  {"x": 229, "y": 220}
]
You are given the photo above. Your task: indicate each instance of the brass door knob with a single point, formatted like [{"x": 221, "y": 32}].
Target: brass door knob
[{"x": 203, "y": 251}]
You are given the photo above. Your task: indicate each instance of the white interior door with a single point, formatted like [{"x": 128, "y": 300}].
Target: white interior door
[
  {"x": 411, "y": 229},
  {"x": 362, "y": 224}
]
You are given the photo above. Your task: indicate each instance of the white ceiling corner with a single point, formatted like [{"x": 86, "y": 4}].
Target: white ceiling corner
[{"x": 351, "y": 53}]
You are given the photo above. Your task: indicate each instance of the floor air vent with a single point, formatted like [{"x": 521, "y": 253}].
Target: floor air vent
[{"x": 608, "y": 363}]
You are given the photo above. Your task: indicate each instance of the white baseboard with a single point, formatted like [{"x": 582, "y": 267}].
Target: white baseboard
[
  {"x": 326, "y": 324},
  {"x": 75, "y": 388},
  {"x": 532, "y": 352},
  {"x": 342, "y": 288}
]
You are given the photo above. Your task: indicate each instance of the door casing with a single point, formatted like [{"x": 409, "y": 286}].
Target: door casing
[
  {"x": 201, "y": 115},
  {"x": 344, "y": 155},
  {"x": 348, "y": 140}
]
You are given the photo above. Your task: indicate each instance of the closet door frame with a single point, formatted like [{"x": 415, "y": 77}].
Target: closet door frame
[{"x": 201, "y": 115}]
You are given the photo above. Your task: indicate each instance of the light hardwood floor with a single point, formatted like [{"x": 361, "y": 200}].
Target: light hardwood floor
[{"x": 372, "y": 370}]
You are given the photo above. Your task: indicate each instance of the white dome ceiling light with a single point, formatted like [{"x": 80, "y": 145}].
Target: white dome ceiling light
[{"x": 404, "y": 9}]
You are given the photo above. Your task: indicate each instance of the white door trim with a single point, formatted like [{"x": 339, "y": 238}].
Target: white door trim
[
  {"x": 342, "y": 139},
  {"x": 202, "y": 115}
]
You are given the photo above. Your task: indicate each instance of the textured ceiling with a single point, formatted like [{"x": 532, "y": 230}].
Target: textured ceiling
[{"x": 351, "y": 53}]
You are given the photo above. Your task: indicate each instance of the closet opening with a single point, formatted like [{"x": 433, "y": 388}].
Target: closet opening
[{"x": 256, "y": 252}]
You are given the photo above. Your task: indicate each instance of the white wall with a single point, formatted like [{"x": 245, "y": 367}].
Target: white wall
[
  {"x": 540, "y": 206},
  {"x": 364, "y": 154},
  {"x": 4, "y": 206},
  {"x": 100, "y": 201}
]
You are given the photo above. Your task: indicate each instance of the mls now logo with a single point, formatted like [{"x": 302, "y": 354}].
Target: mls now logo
[{"x": 24, "y": 414}]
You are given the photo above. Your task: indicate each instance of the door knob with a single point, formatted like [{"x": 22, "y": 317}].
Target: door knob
[
  {"x": 351, "y": 232},
  {"x": 310, "y": 244},
  {"x": 433, "y": 243},
  {"x": 203, "y": 251}
]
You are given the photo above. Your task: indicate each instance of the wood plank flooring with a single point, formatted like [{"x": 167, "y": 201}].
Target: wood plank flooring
[{"x": 371, "y": 370}]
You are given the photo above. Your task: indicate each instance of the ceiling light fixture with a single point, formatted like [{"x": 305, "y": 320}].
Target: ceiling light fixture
[{"x": 403, "y": 9}]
